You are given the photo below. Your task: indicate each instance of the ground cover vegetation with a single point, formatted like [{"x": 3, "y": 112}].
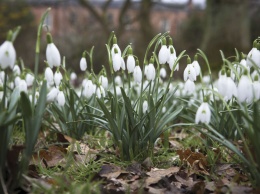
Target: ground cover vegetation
[{"x": 131, "y": 128}]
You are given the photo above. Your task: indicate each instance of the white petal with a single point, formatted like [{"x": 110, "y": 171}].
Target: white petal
[
  {"x": 53, "y": 55},
  {"x": 61, "y": 98},
  {"x": 137, "y": 74},
  {"x": 83, "y": 64},
  {"x": 163, "y": 54},
  {"x": 7, "y": 55},
  {"x": 130, "y": 63},
  {"x": 49, "y": 75},
  {"x": 116, "y": 62}
]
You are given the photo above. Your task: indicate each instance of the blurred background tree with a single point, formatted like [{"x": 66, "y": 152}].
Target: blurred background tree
[
  {"x": 18, "y": 13},
  {"x": 227, "y": 27}
]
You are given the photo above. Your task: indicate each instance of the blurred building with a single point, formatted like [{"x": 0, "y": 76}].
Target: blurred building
[{"x": 69, "y": 16}]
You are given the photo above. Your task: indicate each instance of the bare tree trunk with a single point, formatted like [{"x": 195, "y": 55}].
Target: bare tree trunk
[{"x": 227, "y": 28}]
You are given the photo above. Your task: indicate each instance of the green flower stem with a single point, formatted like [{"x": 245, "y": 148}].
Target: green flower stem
[{"x": 37, "y": 53}]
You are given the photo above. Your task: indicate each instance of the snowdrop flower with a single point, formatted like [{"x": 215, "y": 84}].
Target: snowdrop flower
[
  {"x": 189, "y": 87},
  {"x": 100, "y": 92},
  {"x": 103, "y": 81},
  {"x": 83, "y": 62},
  {"x": 117, "y": 61},
  {"x": 7, "y": 53},
  {"x": 130, "y": 63},
  {"x": 163, "y": 53},
  {"x": 137, "y": 74},
  {"x": 253, "y": 56},
  {"x": 203, "y": 114},
  {"x": 60, "y": 98},
  {"x": 206, "y": 79},
  {"x": 22, "y": 86},
  {"x": 172, "y": 59},
  {"x": 29, "y": 78},
  {"x": 115, "y": 46},
  {"x": 73, "y": 77},
  {"x": 164, "y": 109},
  {"x": 118, "y": 80},
  {"x": 254, "y": 74},
  {"x": 16, "y": 70},
  {"x": 163, "y": 73},
  {"x": 49, "y": 75},
  {"x": 57, "y": 78},
  {"x": 196, "y": 65},
  {"x": 88, "y": 89},
  {"x": 189, "y": 72},
  {"x": 17, "y": 81},
  {"x": 245, "y": 89},
  {"x": 52, "y": 53},
  {"x": 256, "y": 88},
  {"x": 118, "y": 91},
  {"x": 150, "y": 72},
  {"x": 228, "y": 88},
  {"x": 51, "y": 96},
  {"x": 145, "y": 106}
]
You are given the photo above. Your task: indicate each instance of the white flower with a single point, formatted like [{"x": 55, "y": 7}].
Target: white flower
[
  {"x": 16, "y": 70},
  {"x": 221, "y": 84},
  {"x": 60, "y": 98},
  {"x": 163, "y": 54},
  {"x": 100, "y": 92},
  {"x": 57, "y": 78},
  {"x": 206, "y": 79},
  {"x": 171, "y": 61},
  {"x": 116, "y": 62},
  {"x": 22, "y": 86},
  {"x": 230, "y": 89},
  {"x": 17, "y": 81},
  {"x": 73, "y": 76},
  {"x": 244, "y": 64},
  {"x": 163, "y": 73},
  {"x": 7, "y": 55},
  {"x": 150, "y": 74},
  {"x": 130, "y": 64},
  {"x": 29, "y": 78},
  {"x": 189, "y": 73},
  {"x": 49, "y": 75},
  {"x": 137, "y": 74},
  {"x": 115, "y": 46},
  {"x": 145, "y": 106},
  {"x": 196, "y": 66},
  {"x": 118, "y": 91},
  {"x": 88, "y": 89},
  {"x": 122, "y": 63},
  {"x": 164, "y": 109},
  {"x": 83, "y": 64},
  {"x": 51, "y": 96},
  {"x": 2, "y": 76},
  {"x": 103, "y": 81},
  {"x": 53, "y": 55},
  {"x": 203, "y": 114},
  {"x": 245, "y": 89},
  {"x": 253, "y": 57},
  {"x": 118, "y": 80},
  {"x": 189, "y": 87}
]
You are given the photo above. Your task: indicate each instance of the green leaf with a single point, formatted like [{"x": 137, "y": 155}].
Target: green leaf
[{"x": 26, "y": 106}]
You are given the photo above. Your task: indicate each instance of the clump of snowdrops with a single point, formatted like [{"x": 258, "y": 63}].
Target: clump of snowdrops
[{"x": 135, "y": 100}]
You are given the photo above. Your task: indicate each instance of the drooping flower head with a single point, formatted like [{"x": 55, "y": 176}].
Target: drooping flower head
[
  {"x": 253, "y": 57},
  {"x": 196, "y": 65},
  {"x": 116, "y": 60},
  {"x": 137, "y": 73},
  {"x": 130, "y": 63},
  {"x": 83, "y": 62},
  {"x": 150, "y": 72},
  {"x": 189, "y": 72},
  {"x": 115, "y": 46},
  {"x": 52, "y": 53},
  {"x": 163, "y": 53},
  {"x": 245, "y": 89},
  {"x": 203, "y": 113},
  {"x": 7, "y": 53},
  {"x": 172, "y": 59}
]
